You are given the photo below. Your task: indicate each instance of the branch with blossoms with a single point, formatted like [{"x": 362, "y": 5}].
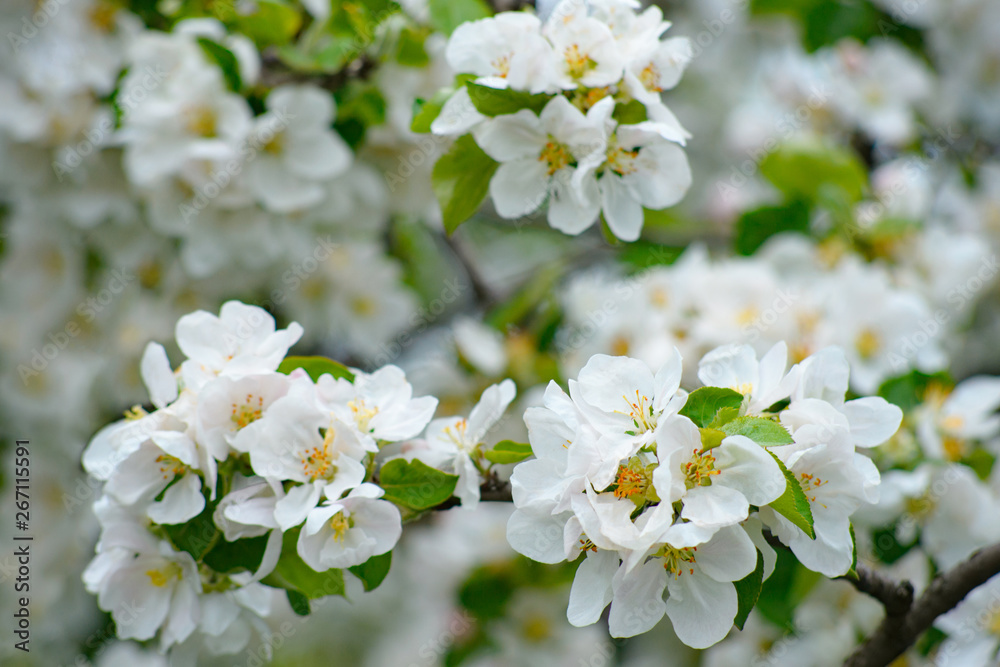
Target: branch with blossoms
[{"x": 260, "y": 470}]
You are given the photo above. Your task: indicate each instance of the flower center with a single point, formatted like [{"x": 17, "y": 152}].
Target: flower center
[
  {"x": 577, "y": 62},
  {"x": 363, "y": 415},
  {"x": 641, "y": 412},
  {"x": 699, "y": 469},
  {"x": 556, "y": 155},
  {"x": 630, "y": 482},
  {"x": 200, "y": 121},
  {"x": 170, "y": 465},
  {"x": 276, "y": 145},
  {"x": 341, "y": 523},
  {"x": 811, "y": 483},
  {"x": 248, "y": 412},
  {"x": 501, "y": 65},
  {"x": 867, "y": 343},
  {"x": 676, "y": 561},
  {"x": 135, "y": 413},
  {"x": 621, "y": 161},
  {"x": 456, "y": 433},
  {"x": 317, "y": 462},
  {"x": 650, "y": 78},
  {"x": 162, "y": 576}
]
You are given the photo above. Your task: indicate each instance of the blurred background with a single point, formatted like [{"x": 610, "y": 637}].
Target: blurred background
[{"x": 846, "y": 191}]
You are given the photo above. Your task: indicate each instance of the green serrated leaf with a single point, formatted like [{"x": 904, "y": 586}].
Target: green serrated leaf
[
  {"x": 461, "y": 179},
  {"x": 508, "y": 451},
  {"x": 854, "y": 553},
  {"x": 298, "y": 602},
  {"x": 501, "y": 101},
  {"x": 245, "y": 554},
  {"x": 723, "y": 417},
  {"x": 446, "y": 15},
  {"x": 630, "y": 113},
  {"x": 793, "y": 504},
  {"x": 226, "y": 61},
  {"x": 373, "y": 571},
  {"x": 292, "y": 574},
  {"x": 748, "y": 590},
  {"x": 316, "y": 367},
  {"x": 763, "y": 431},
  {"x": 415, "y": 485},
  {"x": 703, "y": 404}
]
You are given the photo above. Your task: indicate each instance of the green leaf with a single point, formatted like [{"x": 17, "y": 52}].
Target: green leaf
[
  {"x": 410, "y": 49},
  {"x": 359, "y": 106},
  {"x": 630, "y": 113},
  {"x": 793, "y": 504},
  {"x": 765, "y": 432},
  {"x": 298, "y": 602},
  {"x": 373, "y": 571},
  {"x": 805, "y": 171},
  {"x": 316, "y": 367},
  {"x": 711, "y": 438},
  {"x": 226, "y": 61},
  {"x": 854, "y": 552},
  {"x": 461, "y": 179},
  {"x": 244, "y": 554},
  {"x": 273, "y": 22},
  {"x": 723, "y": 417},
  {"x": 748, "y": 590},
  {"x": 500, "y": 101},
  {"x": 425, "y": 111},
  {"x": 703, "y": 404},
  {"x": 908, "y": 391},
  {"x": 415, "y": 485},
  {"x": 446, "y": 15},
  {"x": 508, "y": 451},
  {"x": 292, "y": 574},
  {"x": 755, "y": 227}
]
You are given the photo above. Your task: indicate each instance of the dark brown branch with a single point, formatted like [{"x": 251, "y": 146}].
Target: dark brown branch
[
  {"x": 899, "y": 632},
  {"x": 493, "y": 490},
  {"x": 895, "y": 596}
]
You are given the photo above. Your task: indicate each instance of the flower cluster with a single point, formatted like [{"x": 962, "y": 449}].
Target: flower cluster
[
  {"x": 665, "y": 491},
  {"x": 251, "y": 466},
  {"x": 595, "y": 137}
]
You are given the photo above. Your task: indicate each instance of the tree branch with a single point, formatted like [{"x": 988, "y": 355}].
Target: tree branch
[
  {"x": 901, "y": 630},
  {"x": 493, "y": 490},
  {"x": 895, "y": 596}
]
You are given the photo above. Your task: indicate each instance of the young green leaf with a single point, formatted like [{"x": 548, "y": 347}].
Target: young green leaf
[
  {"x": 748, "y": 590},
  {"x": 508, "y": 451},
  {"x": 703, "y": 404},
  {"x": 500, "y": 101},
  {"x": 793, "y": 504},
  {"x": 226, "y": 61},
  {"x": 415, "y": 485},
  {"x": 723, "y": 417},
  {"x": 316, "y": 367},
  {"x": 245, "y": 554},
  {"x": 373, "y": 571},
  {"x": 764, "y": 432},
  {"x": 298, "y": 602},
  {"x": 461, "y": 179}
]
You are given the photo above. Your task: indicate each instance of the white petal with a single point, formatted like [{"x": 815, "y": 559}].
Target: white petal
[
  {"x": 519, "y": 187},
  {"x": 182, "y": 501},
  {"x": 638, "y": 603},
  {"x": 538, "y": 538},
  {"x": 701, "y": 609},
  {"x": 749, "y": 468},
  {"x": 158, "y": 376},
  {"x": 714, "y": 506},
  {"x": 622, "y": 211},
  {"x": 591, "y": 591},
  {"x": 873, "y": 420},
  {"x": 296, "y": 505}
]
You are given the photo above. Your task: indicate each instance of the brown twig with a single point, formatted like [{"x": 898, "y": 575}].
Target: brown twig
[{"x": 899, "y": 631}]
